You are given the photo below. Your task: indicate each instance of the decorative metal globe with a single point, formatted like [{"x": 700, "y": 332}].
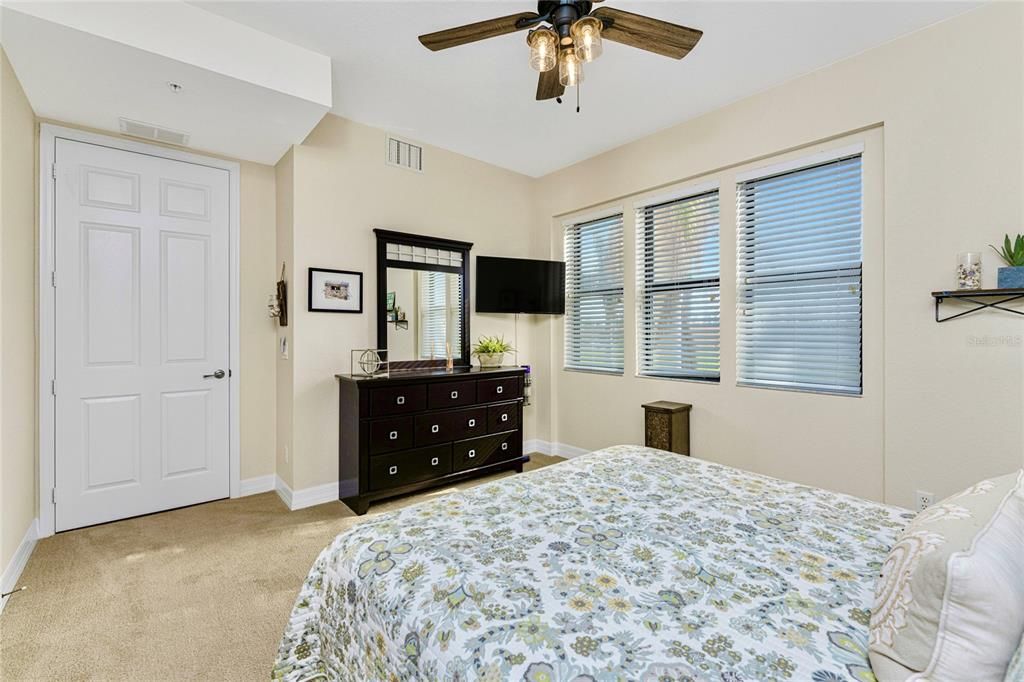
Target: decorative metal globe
[{"x": 370, "y": 362}]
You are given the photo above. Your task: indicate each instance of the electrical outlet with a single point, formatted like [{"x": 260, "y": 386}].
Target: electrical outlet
[{"x": 924, "y": 499}]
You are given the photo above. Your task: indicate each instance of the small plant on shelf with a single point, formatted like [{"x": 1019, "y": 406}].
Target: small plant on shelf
[
  {"x": 490, "y": 350},
  {"x": 1012, "y": 276}
]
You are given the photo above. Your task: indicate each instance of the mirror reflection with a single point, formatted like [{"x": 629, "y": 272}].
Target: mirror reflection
[{"x": 424, "y": 314}]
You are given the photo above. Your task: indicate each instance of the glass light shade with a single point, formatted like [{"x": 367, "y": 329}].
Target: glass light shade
[
  {"x": 570, "y": 68},
  {"x": 543, "y": 44},
  {"x": 586, "y": 36}
]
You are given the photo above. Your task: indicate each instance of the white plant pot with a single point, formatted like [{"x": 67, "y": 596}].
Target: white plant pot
[{"x": 491, "y": 359}]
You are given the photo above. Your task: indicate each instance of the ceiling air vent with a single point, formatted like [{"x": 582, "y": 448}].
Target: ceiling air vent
[
  {"x": 148, "y": 131},
  {"x": 404, "y": 154}
]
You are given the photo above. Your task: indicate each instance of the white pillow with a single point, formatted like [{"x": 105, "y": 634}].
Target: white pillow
[{"x": 950, "y": 602}]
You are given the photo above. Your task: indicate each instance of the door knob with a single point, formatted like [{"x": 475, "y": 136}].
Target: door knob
[{"x": 219, "y": 374}]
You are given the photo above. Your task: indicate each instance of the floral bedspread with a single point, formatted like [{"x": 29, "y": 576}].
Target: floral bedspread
[{"x": 624, "y": 564}]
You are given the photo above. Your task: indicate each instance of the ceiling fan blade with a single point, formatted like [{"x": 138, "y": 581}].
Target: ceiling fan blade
[
  {"x": 548, "y": 86},
  {"x": 470, "y": 33},
  {"x": 653, "y": 35}
]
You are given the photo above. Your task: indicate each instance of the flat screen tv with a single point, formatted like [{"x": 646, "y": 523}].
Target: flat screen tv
[{"x": 520, "y": 285}]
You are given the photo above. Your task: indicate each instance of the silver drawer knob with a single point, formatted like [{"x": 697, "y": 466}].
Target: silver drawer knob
[
  {"x": 472, "y": 423},
  {"x": 400, "y": 400},
  {"x": 435, "y": 428},
  {"x": 504, "y": 417},
  {"x": 393, "y": 435},
  {"x": 472, "y": 454},
  {"x": 504, "y": 446},
  {"x": 455, "y": 395},
  {"x": 393, "y": 470},
  {"x": 433, "y": 462},
  {"x": 501, "y": 389}
]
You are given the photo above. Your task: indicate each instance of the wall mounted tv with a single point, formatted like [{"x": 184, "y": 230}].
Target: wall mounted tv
[{"x": 520, "y": 285}]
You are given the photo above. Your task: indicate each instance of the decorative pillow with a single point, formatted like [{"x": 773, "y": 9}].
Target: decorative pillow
[
  {"x": 950, "y": 601},
  {"x": 1015, "y": 673}
]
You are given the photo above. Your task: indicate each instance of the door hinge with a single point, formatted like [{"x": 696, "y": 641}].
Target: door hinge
[
  {"x": 53, "y": 279},
  {"x": 53, "y": 495},
  {"x": 53, "y": 386},
  {"x": 53, "y": 171}
]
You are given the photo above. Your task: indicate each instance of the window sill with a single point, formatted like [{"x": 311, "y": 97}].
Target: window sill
[
  {"x": 688, "y": 380},
  {"x": 794, "y": 389},
  {"x": 604, "y": 372}
]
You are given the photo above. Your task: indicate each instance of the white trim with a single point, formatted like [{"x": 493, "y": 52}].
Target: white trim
[
  {"x": 12, "y": 572},
  {"x": 544, "y": 447},
  {"x": 644, "y": 201},
  {"x": 307, "y": 497},
  {"x": 579, "y": 219},
  {"x": 48, "y": 135},
  {"x": 800, "y": 162},
  {"x": 257, "y": 485}
]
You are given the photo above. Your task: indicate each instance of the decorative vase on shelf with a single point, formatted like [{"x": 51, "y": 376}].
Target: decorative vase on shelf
[
  {"x": 491, "y": 359},
  {"x": 1011, "y": 277},
  {"x": 968, "y": 270}
]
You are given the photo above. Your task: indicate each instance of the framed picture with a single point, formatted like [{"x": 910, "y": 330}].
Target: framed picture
[
  {"x": 335, "y": 291},
  {"x": 391, "y": 300}
]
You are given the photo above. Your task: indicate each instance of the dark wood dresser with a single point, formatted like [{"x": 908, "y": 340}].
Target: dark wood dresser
[{"x": 423, "y": 428}]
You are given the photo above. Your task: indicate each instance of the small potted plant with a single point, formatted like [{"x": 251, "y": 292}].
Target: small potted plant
[
  {"x": 490, "y": 350},
  {"x": 1012, "y": 276}
]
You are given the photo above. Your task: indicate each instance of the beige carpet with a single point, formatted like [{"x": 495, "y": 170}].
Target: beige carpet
[{"x": 196, "y": 593}]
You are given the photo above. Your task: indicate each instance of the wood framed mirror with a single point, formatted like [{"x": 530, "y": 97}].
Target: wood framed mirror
[{"x": 422, "y": 299}]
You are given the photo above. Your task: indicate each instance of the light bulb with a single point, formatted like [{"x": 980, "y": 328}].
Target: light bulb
[
  {"x": 586, "y": 35},
  {"x": 570, "y": 69},
  {"x": 543, "y": 53}
]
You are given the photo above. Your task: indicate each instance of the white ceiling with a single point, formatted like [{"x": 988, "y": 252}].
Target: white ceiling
[
  {"x": 247, "y": 95},
  {"x": 478, "y": 99}
]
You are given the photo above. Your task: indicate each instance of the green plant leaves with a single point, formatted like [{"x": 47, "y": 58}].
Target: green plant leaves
[{"x": 1012, "y": 252}]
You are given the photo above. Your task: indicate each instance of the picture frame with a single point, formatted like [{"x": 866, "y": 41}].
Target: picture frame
[
  {"x": 391, "y": 300},
  {"x": 335, "y": 291}
]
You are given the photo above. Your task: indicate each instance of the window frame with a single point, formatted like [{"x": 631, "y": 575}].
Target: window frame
[
  {"x": 569, "y": 226},
  {"x": 795, "y": 165},
  {"x": 643, "y": 206}
]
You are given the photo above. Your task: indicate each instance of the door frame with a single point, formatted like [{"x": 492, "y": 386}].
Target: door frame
[{"x": 46, "y": 303}]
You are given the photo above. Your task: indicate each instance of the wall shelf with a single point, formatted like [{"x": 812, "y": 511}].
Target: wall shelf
[{"x": 981, "y": 298}]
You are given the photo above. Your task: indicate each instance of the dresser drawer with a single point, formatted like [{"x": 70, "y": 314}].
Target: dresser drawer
[
  {"x": 478, "y": 452},
  {"x": 438, "y": 427},
  {"x": 398, "y": 400},
  {"x": 502, "y": 417},
  {"x": 451, "y": 394},
  {"x": 388, "y": 435},
  {"x": 410, "y": 466},
  {"x": 493, "y": 390}
]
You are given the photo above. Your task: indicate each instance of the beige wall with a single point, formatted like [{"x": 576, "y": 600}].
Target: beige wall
[
  {"x": 17, "y": 314},
  {"x": 343, "y": 189},
  {"x": 946, "y": 410}
]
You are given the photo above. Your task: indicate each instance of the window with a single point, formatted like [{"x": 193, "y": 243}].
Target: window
[
  {"x": 440, "y": 314},
  {"x": 678, "y": 294},
  {"x": 593, "y": 295},
  {"x": 799, "y": 289}
]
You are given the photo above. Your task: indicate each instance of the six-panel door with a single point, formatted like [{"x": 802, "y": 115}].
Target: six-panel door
[{"x": 142, "y": 328}]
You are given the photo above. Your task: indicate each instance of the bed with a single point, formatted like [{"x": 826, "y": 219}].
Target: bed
[{"x": 627, "y": 563}]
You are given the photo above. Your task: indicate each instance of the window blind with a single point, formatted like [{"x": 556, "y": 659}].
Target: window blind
[
  {"x": 800, "y": 259},
  {"x": 678, "y": 286},
  {"x": 593, "y": 295},
  {"x": 440, "y": 314}
]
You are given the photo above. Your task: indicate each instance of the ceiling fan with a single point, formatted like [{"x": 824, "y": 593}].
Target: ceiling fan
[{"x": 566, "y": 34}]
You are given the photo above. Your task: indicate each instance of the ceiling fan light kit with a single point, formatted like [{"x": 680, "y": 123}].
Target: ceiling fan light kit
[{"x": 568, "y": 34}]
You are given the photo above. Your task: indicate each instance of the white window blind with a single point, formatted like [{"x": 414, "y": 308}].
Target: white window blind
[
  {"x": 799, "y": 309},
  {"x": 440, "y": 314},
  {"x": 678, "y": 287},
  {"x": 593, "y": 295}
]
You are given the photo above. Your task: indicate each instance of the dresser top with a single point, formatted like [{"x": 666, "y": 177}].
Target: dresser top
[{"x": 433, "y": 374}]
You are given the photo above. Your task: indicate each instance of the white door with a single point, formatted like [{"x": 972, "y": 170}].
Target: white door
[{"x": 141, "y": 275}]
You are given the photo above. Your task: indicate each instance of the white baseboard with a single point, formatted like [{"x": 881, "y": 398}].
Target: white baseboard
[
  {"x": 307, "y": 497},
  {"x": 558, "y": 449},
  {"x": 17, "y": 564},
  {"x": 256, "y": 485}
]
